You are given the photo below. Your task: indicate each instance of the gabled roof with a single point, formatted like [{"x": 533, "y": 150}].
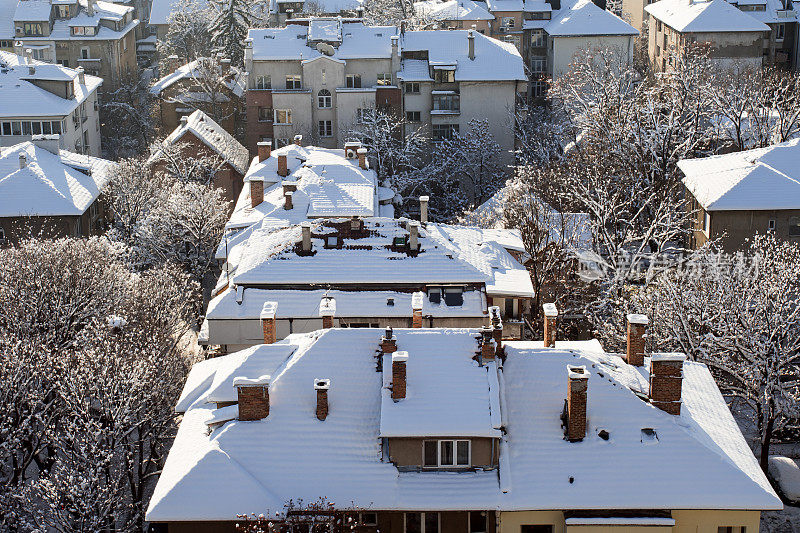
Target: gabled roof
[
  {"x": 761, "y": 179},
  {"x": 697, "y": 460},
  {"x": 236, "y": 82},
  {"x": 50, "y": 184},
  {"x": 453, "y": 10},
  {"x": 704, "y": 16},
  {"x": 583, "y": 17},
  {"x": 33, "y": 10},
  {"x": 215, "y": 137}
]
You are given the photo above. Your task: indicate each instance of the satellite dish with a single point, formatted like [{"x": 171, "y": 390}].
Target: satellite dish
[{"x": 325, "y": 48}]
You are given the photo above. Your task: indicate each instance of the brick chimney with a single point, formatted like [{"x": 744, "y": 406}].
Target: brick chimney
[
  {"x": 399, "y": 360},
  {"x": 666, "y": 381},
  {"x": 362, "y": 158},
  {"x": 413, "y": 235},
  {"x": 287, "y": 200},
  {"x": 388, "y": 341},
  {"x": 306, "y": 228},
  {"x": 487, "y": 345},
  {"x": 637, "y": 325},
  {"x": 269, "y": 321},
  {"x": 23, "y": 160},
  {"x": 283, "y": 167},
  {"x": 577, "y": 384},
  {"x": 322, "y": 386},
  {"x": 423, "y": 209},
  {"x": 253, "y": 397},
  {"x": 550, "y": 317},
  {"x": 497, "y": 327},
  {"x": 471, "y": 44},
  {"x": 264, "y": 150},
  {"x": 327, "y": 310},
  {"x": 172, "y": 64},
  {"x": 351, "y": 149},
  {"x": 416, "y": 309},
  {"x": 256, "y": 190},
  {"x": 298, "y": 140},
  {"x": 288, "y": 186}
]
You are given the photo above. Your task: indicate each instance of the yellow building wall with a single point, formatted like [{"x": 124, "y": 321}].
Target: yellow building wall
[{"x": 685, "y": 522}]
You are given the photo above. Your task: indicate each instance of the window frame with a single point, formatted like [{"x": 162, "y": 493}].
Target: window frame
[
  {"x": 422, "y": 521},
  {"x": 538, "y": 39},
  {"x": 352, "y": 81},
  {"x": 325, "y": 128},
  {"x": 780, "y": 32},
  {"x": 451, "y": 130},
  {"x": 263, "y": 82},
  {"x": 384, "y": 78},
  {"x": 288, "y": 116},
  {"x": 440, "y": 445},
  {"x": 412, "y": 87},
  {"x": 294, "y": 82},
  {"x": 323, "y": 99},
  {"x": 794, "y": 227},
  {"x": 413, "y": 116}
]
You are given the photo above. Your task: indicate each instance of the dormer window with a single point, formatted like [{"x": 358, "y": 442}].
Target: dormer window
[
  {"x": 446, "y": 454},
  {"x": 33, "y": 29},
  {"x": 62, "y": 12},
  {"x": 454, "y": 296}
]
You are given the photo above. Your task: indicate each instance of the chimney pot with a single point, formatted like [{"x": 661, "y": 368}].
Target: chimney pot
[
  {"x": 283, "y": 167},
  {"x": 256, "y": 190},
  {"x": 388, "y": 341},
  {"x": 471, "y": 44},
  {"x": 487, "y": 346},
  {"x": 399, "y": 360},
  {"x": 31, "y": 70},
  {"x": 264, "y": 150},
  {"x": 637, "y": 325},
  {"x": 423, "y": 209},
  {"x": 497, "y": 328},
  {"x": 23, "y": 161},
  {"x": 666, "y": 381},
  {"x": 306, "y": 228},
  {"x": 416, "y": 309},
  {"x": 550, "y": 317},
  {"x": 269, "y": 324},
  {"x": 322, "y": 386},
  {"x": 287, "y": 196},
  {"x": 81, "y": 75},
  {"x": 577, "y": 385},
  {"x": 327, "y": 310},
  {"x": 362, "y": 158},
  {"x": 253, "y": 396},
  {"x": 298, "y": 140}
]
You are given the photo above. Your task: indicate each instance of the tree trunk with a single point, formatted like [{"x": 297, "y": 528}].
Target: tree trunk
[{"x": 766, "y": 439}]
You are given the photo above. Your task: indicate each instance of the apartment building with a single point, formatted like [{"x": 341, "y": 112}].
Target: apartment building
[
  {"x": 44, "y": 99},
  {"x": 312, "y": 232},
  {"x": 95, "y": 35},
  {"x": 734, "y": 196},
  {"x": 779, "y": 44},
  {"x": 452, "y": 430},
  {"x": 547, "y": 33},
  {"x": 318, "y": 77},
  {"x": 50, "y": 192},
  {"x": 735, "y": 34}
]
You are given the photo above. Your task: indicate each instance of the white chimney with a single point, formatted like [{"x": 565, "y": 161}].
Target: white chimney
[
  {"x": 413, "y": 235},
  {"x": 471, "y": 44},
  {"x": 81, "y": 75},
  {"x": 423, "y": 209},
  {"x": 23, "y": 161},
  {"x": 306, "y": 227}
]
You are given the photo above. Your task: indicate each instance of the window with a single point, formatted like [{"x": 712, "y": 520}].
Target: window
[
  {"x": 444, "y": 76},
  {"x": 446, "y": 453},
  {"x": 33, "y": 28},
  {"x": 507, "y": 23},
  {"x": 5, "y": 128},
  {"x": 62, "y": 12},
  {"x": 538, "y": 64},
  {"x": 537, "y": 38},
  {"x": 263, "y": 82},
  {"x": 84, "y": 53},
  {"x": 454, "y": 296},
  {"x": 540, "y": 15},
  {"x": 732, "y": 529},
  {"x": 385, "y": 78},
  {"x": 368, "y": 519},
  {"x": 771, "y": 226},
  {"x": 444, "y": 132},
  {"x": 16, "y": 128},
  {"x": 658, "y": 25},
  {"x": 293, "y": 82},
  {"x": 780, "y": 32},
  {"x": 794, "y": 223},
  {"x": 544, "y": 528},
  {"x": 353, "y": 81},
  {"x": 422, "y": 522},
  {"x": 326, "y": 128},
  {"x": 363, "y": 114},
  {"x": 324, "y": 99},
  {"x": 477, "y": 522},
  {"x": 265, "y": 114},
  {"x": 412, "y": 87},
  {"x": 508, "y": 307},
  {"x": 435, "y": 295},
  {"x": 446, "y": 102},
  {"x": 283, "y": 116},
  {"x": 538, "y": 88},
  {"x": 413, "y": 116}
]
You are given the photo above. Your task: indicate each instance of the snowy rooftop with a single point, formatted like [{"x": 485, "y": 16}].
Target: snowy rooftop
[
  {"x": 236, "y": 82},
  {"x": 697, "y": 460},
  {"x": 288, "y": 43},
  {"x": 583, "y": 17},
  {"x": 50, "y": 184},
  {"x": 7, "y": 10},
  {"x": 761, "y": 179},
  {"x": 704, "y": 16},
  {"x": 215, "y": 137},
  {"x": 22, "y": 98},
  {"x": 453, "y": 10},
  {"x": 39, "y": 10},
  {"x": 448, "y": 254}
]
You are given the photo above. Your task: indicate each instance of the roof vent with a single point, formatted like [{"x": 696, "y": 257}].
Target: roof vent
[{"x": 649, "y": 436}]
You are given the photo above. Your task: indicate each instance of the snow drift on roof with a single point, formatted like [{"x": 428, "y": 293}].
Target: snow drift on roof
[
  {"x": 585, "y": 18},
  {"x": 704, "y": 16},
  {"x": 215, "y": 137}
]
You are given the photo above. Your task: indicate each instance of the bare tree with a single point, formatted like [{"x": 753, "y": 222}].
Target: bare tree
[{"x": 188, "y": 35}]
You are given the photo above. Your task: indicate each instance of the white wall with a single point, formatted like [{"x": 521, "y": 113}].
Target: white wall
[{"x": 565, "y": 48}]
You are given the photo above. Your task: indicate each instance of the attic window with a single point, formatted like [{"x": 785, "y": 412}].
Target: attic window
[
  {"x": 649, "y": 436},
  {"x": 446, "y": 453},
  {"x": 332, "y": 241},
  {"x": 390, "y": 302},
  {"x": 435, "y": 295},
  {"x": 454, "y": 296}
]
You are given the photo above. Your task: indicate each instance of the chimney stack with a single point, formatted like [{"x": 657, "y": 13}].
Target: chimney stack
[
  {"x": 225, "y": 66},
  {"x": 306, "y": 228},
  {"x": 287, "y": 197},
  {"x": 172, "y": 64},
  {"x": 184, "y": 121},
  {"x": 388, "y": 341},
  {"x": 666, "y": 381},
  {"x": 269, "y": 320},
  {"x": 578, "y": 383},
  {"x": 423, "y": 209},
  {"x": 298, "y": 140},
  {"x": 471, "y": 44},
  {"x": 416, "y": 309},
  {"x": 487, "y": 344},
  {"x": 399, "y": 360},
  {"x": 497, "y": 327},
  {"x": 90, "y": 7},
  {"x": 81, "y": 75},
  {"x": 322, "y": 386},
  {"x": 550, "y": 317},
  {"x": 413, "y": 236},
  {"x": 362, "y": 158},
  {"x": 637, "y": 325},
  {"x": 256, "y": 190},
  {"x": 264, "y": 150},
  {"x": 31, "y": 70},
  {"x": 283, "y": 167},
  {"x": 327, "y": 310},
  {"x": 253, "y": 397},
  {"x": 23, "y": 161}
]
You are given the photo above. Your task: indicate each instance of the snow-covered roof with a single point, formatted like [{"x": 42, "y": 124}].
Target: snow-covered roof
[
  {"x": 448, "y": 254},
  {"x": 761, "y": 179},
  {"x": 583, "y": 17},
  {"x": 7, "y": 11},
  {"x": 774, "y": 11},
  {"x": 704, "y": 16},
  {"x": 22, "y": 98},
  {"x": 330, "y": 6},
  {"x": 215, "y": 137},
  {"x": 696, "y": 460},
  {"x": 358, "y": 41},
  {"x": 33, "y": 10},
  {"x": 50, "y": 184},
  {"x": 236, "y": 81},
  {"x": 505, "y": 5},
  {"x": 453, "y": 10}
]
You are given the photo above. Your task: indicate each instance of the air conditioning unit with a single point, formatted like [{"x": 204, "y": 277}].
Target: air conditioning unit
[{"x": 351, "y": 154}]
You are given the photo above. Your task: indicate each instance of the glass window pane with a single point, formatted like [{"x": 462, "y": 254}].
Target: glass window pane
[
  {"x": 446, "y": 453},
  {"x": 6, "y": 128},
  {"x": 432, "y": 522},
  {"x": 463, "y": 453},
  {"x": 56, "y": 127},
  {"x": 16, "y": 127},
  {"x": 26, "y": 128},
  {"x": 46, "y": 130},
  {"x": 429, "y": 453},
  {"x": 413, "y": 523},
  {"x": 36, "y": 127},
  {"x": 477, "y": 522}
]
